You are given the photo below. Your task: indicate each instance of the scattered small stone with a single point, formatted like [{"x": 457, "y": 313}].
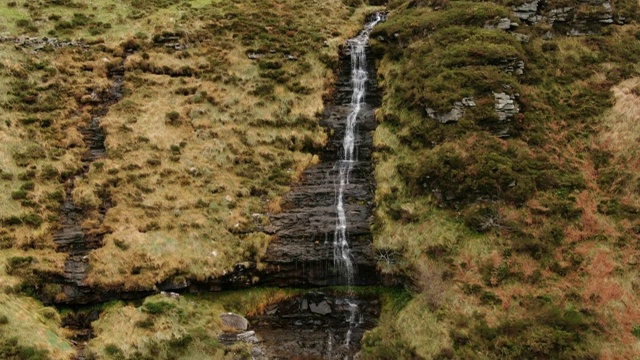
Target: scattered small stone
[
  {"x": 468, "y": 102},
  {"x": 254, "y": 56},
  {"x": 575, "y": 32},
  {"x": 272, "y": 310},
  {"x": 232, "y": 338},
  {"x": 246, "y": 335},
  {"x": 170, "y": 295}
]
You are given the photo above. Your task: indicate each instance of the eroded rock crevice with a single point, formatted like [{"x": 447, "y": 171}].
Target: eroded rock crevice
[{"x": 71, "y": 236}]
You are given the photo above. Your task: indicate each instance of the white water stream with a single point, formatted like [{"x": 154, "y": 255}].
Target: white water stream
[
  {"x": 341, "y": 253},
  {"x": 342, "y": 257}
]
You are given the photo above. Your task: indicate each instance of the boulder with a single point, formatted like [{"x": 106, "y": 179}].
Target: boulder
[
  {"x": 234, "y": 322},
  {"x": 322, "y": 308}
]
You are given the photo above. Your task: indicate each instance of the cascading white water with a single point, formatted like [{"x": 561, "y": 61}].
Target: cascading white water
[
  {"x": 359, "y": 76},
  {"x": 341, "y": 252}
]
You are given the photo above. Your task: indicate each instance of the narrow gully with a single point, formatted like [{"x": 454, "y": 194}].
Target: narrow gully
[
  {"x": 317, "y": 325},
  {"x": 71, "y": 237}
]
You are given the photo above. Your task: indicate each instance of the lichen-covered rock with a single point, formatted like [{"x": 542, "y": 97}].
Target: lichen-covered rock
[
  {"x": 506, "y": 106},
  {"x": 452, "y": 115},
  {"x": 234, "y": 322},
  {"x": 321, "y": 308},
  {"x": 528, "y": 11}
]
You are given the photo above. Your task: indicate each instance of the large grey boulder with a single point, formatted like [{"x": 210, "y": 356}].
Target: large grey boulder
[
  {"x": 234, "y": 322},
  {"x": 322, "y": 308}
]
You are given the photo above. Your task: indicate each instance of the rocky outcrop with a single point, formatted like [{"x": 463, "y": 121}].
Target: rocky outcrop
[
  {"x": 528, "y": 11},
  {"x": 585, "y": 18},
  {"x": 454, "y": 114},
  {"x": 37, "y": 43},
  {"x": 328, "y": 327},
  {"x": 512, "y": 65},
  {"x": 70, "y": 236},
  {"x": 506, "y": 106}
]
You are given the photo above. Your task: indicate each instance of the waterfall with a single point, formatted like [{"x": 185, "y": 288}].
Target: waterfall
[
  {"x": 341, "y": 253},
  {"x": 342, "y": 258}
]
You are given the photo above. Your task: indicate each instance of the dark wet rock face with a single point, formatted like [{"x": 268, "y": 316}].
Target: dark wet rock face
[
  {"x": 314, "y": 326},
  {"x": 302, "y": 252}
]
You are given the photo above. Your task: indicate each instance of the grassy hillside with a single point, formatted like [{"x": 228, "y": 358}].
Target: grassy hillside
[
  {"x": 219, "y": 116},
  {"x": 166, "y": 328},
  {"x": 521, "y": 235},
  {"x": 518, "y": 229}
]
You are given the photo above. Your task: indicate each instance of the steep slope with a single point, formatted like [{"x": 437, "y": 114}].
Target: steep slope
[
  {"x": 506, "y": 187},
  {"x": 505, "y": 161},
  {"x": 149, "y": 140}
]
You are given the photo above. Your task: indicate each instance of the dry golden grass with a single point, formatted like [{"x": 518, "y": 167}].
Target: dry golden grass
[
  {"x": 187, "y": 197},
  {"x": 176, "y": 188},
  {"x": 622, "y": 134}
]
